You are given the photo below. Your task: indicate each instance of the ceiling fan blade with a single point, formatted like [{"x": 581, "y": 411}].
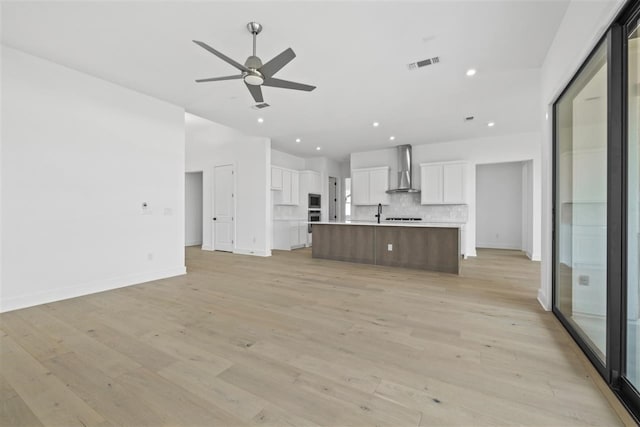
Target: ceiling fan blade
[
  {"x": 217, "y": 79},
  {"x": 286, "y": 84},
  {"x": 221, "y": 56},
  {"x": 276, "y": 64},
  {"x": 256, "y": 92}
]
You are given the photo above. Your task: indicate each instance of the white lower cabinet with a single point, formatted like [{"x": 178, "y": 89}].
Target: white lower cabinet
[{"x": 289, "y": 234}]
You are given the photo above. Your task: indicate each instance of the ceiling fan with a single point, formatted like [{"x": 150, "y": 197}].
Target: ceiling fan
[{"x": 254, "y": 72}]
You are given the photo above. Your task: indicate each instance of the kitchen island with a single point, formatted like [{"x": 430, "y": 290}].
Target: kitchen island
[{"x": 427, "y": 246}]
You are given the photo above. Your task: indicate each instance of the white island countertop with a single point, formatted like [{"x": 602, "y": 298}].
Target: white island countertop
[{"x": 397, "y": 223}]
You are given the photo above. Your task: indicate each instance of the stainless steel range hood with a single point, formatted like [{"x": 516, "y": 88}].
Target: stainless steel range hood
[{"x": 404, "y": 171}]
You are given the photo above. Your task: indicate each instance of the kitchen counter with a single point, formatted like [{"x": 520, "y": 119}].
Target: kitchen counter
[
  {"x": 426, "y": 246},
  {"x": 397, "y": 223}
]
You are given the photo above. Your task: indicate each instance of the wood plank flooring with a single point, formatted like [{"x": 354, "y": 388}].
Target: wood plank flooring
[{"x": 295, "y": 341}]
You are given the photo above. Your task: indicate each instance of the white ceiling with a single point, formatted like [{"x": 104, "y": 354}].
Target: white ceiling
[{"x": 356, "y": 53}]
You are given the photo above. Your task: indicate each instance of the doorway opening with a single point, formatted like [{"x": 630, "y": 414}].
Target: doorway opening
[
  {"x": 193, "y": 209},
  {"x": 333, "y": 199},
  {"x": 504, "y": 199}
]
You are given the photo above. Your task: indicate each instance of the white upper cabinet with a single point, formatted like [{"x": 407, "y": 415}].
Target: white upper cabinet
[
  {"x": 276, "y": 178},
  {"x": 431, "y": 184},
  {"x": 360, "y": 187},
  {"x": 443, "y": 183},
  {"x": 369, "y": 186},
  {"x": 453, "y": 177},
  {"x": 289, "y": 181}
]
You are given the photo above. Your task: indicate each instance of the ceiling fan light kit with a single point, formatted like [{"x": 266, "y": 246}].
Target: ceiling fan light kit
[{"x": 254, "y": 73}]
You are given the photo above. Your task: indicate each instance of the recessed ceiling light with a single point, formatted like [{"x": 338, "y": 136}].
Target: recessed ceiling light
[
  {"x": 298, "y": 140},
  {"x": 491, "y": 124},
  {"x": 260, "y": 120},
  {"x": 318, "y": 148},
  {"x": 376, "y": 124},
  {"x": 471, "y": 72},
  {"x": 391, "y": 138}
]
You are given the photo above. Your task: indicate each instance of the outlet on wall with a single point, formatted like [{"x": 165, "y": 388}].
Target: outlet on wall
[
  {"x": 389, "y": 247},
  {"x": 146, "y": 210},
  {"x": 583, "y": 280},
  {"x": 150, "y": 256}
]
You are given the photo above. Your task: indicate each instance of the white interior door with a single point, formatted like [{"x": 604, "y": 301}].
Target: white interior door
[{"x": 223, "y": 209}]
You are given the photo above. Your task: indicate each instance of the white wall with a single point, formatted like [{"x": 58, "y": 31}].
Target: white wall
[
  {"x": 193, "y": 209},
  {"x": 509, "y": 148},
  {"x": 1, "y": 174},
  {"x": 499, "y": 206},
  {"x": 286, "y": 160},
  {"x": 210, "y": 144},
  {"x": 581, "y": 28},
  {"x": 79, "y": 157},
  {"x": 527, "y": 208}
]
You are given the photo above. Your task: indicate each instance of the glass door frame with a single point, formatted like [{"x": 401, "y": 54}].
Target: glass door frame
[
  {"x": 584, "y": 346},
  {"x": 613, "y": 369},
  {"x": 622, "y": 386}
]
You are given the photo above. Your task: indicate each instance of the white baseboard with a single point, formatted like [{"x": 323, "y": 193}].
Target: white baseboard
[
  {"x": 543, "y": 300},
  {"x": 207, "y": 248},
  {"x": 251, "y": 252},
  {"x": 54, "y": 295},
  {"x": 194, "y": 243},
  {"x": 497, "y": 246}
]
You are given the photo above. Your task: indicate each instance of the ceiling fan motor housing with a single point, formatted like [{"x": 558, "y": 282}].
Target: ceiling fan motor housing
[{"x": 253, "y": 63}]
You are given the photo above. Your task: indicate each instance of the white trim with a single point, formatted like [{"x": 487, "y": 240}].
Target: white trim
[
  {"x": 207, "y": 248},
  {"x": 252, "y": 252},
  {"x": 543, "y": 300},
  {"x": 367, "y": 170},
  {"x": 87, "y": 289},
  {"x": 498, "y": 246}
]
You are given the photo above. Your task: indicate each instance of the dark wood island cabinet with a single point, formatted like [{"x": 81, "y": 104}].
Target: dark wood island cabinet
[{"x": 433, "y": 248}]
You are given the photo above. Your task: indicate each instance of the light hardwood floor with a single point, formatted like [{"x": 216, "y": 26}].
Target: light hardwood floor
[{"x": 291, "y": 340}]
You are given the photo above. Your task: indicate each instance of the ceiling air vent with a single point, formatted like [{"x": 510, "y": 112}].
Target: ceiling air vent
[
  {"x": 260, "y": 106},
  {"x": 423, "y": 63}
]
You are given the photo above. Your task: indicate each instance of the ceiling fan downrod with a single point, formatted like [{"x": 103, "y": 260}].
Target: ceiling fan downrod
[{"x": 254, "y": 28}]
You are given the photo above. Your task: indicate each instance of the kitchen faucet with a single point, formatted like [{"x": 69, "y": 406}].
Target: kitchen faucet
[{"x": 379, "y": 212}]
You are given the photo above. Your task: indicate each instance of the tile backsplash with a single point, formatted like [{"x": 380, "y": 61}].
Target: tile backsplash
[
  {"x": 408, "y": 205},
  {"x": 288, "y": 212}
]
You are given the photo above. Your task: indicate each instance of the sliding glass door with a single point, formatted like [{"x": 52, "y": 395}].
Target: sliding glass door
[
  {"x": 633, "y": 204},
  {"x": 581, "y": 205},
  {"x": 596, "y": 237}
]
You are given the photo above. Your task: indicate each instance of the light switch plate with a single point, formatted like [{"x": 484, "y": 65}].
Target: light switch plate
[{"x": 390, "y": 247}]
